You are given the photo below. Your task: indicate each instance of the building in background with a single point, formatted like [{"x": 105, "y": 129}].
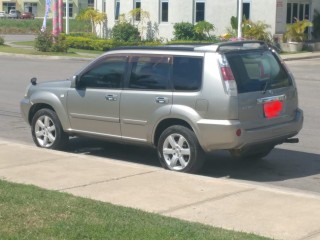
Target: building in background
[
  {"x": 165, "y": 13},
  {"x": 37, "y": 7}
]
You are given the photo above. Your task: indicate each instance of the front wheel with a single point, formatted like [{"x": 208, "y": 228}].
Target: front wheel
[
  {"x": 179, "y": 150},
  {"x": 47, "y": 131}
]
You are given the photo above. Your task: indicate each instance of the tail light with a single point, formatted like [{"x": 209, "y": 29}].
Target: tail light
[{"x": 227, "y": 77}]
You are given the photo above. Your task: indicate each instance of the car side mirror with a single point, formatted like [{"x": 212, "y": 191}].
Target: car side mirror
[{"x": 75, "y": 81}]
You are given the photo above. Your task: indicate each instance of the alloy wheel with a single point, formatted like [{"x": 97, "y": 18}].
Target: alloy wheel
[
  {"x": 176, "y": 152},
  {"x": 45, "y": 131}
]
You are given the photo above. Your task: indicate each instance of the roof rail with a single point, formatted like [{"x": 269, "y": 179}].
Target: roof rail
[
  {"x": 225, "y": 46},
  {"x": 161, "y": 47},
  {"x": 210, "y": 47}
]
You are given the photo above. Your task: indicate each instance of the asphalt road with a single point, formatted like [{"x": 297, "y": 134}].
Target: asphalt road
[{"x": 289, "y": 165}]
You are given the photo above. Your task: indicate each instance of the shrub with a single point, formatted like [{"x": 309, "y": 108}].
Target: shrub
[
  {"x": 125, "y": 32},
  {"x": 188, "y": 32},
  {"x": 1, "y": 40},
  {"x": 296, "y": 31},
  {"x": 90, "y": 44},
  {"x": 104, "y": 44},
  {"x": 46, "y": 42},
  {"x": 203, "y": 29},
  {"x": 43, "y": 41},
  {"x": 83, "y": 34},
  {"x": 59, "y": 44},
  {"x": 183, "y": 31},
  {"x": 256, "y": 31}
]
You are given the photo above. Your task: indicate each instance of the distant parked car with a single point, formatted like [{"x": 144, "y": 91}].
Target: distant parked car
[
  {"x": 14, "y": 14},
  {"x": 27, "y": 15},
  {"x": 3, "y": 14}
]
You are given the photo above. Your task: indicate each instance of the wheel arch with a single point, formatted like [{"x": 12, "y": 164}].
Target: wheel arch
[
  {"x": 50, "y": 101},
  {"x": 36, "y": 107},
  {"x": 165, "y": 123}
]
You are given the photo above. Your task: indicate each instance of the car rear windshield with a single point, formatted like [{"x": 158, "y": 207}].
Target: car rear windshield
[{"x": 258, "y": 71}]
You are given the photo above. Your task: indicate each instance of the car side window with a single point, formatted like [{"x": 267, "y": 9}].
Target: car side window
[
  {"x": 187, "y": 73},
  {"x": 107, "y": 74},
  {"x": 150, "y": 72}
]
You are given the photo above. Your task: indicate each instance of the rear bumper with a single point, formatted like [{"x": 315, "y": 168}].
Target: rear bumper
[{"x": 221, "y": 134}]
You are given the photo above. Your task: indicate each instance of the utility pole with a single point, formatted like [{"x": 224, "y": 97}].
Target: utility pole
[{"x": 240, "y": 18}]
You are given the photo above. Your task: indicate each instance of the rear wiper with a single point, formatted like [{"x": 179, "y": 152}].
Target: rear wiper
[{"x": 266, "y": 86}]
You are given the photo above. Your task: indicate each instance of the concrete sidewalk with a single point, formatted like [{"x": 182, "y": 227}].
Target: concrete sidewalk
[
  {"x": 300, "y": 56},
  {"x": 273, "y": 212}
]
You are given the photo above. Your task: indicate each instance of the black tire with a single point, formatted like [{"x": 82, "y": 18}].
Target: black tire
[
  {"x": 47, "y": 131},
  {"x": 186, "y": 155},
  {"x": 251, "y": 154}
]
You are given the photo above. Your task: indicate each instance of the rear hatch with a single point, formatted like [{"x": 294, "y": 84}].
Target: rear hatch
[{"x": 266, "y": 91}]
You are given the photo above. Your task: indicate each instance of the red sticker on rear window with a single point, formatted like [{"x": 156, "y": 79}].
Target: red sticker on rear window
[{"x": 272, "y": 109}]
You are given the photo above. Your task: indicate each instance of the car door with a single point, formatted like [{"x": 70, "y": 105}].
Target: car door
[
  {"x": 147, "y": 97},
  {"x": 93, "y": 105}
]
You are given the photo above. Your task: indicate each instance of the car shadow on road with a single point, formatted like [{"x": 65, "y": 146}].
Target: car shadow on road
[{"x": 279, "y": 165}]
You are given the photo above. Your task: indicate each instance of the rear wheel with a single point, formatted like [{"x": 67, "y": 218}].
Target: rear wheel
[
  {"x": 47, "y": 131},
  {"x": 179, "y": 150}
]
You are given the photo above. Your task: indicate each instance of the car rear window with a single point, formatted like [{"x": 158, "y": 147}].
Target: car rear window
[{"x": 258, "y": 71}]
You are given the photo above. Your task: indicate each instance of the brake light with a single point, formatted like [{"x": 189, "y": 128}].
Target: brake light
[{"x": 227, "y": 76}]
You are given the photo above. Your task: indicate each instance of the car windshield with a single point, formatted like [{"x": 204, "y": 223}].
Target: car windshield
[{"x": 257, "y": 71}]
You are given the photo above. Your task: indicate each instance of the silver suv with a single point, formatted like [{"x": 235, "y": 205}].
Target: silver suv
[{"x": 184, "y": 100}]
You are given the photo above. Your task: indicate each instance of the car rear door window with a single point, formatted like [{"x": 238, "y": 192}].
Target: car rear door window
[
  {"x": 150, "y": 72},
  {"x": 187, "y": 73},
  {"x": 258, "y": 71}
]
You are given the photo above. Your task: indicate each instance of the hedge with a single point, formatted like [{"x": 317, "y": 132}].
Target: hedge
[{"x": 102, "y": 44}]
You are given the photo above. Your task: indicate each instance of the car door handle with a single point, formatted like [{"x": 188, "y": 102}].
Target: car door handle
[
  {"x": 162, "y": 100},
  {"x": 111, "y": 97}
]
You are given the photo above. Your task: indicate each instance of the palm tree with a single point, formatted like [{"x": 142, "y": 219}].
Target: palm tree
[{"x": 94, "y": 16}]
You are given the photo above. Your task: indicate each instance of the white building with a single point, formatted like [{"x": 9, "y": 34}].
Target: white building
[{"x": 165, "y": 13}]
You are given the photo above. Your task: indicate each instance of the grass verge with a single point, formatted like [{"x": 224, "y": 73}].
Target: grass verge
[
  {"x": 28, "y": 212},
  {"x": 71, "y": 52},
  {"x": 32, "y": 26}
]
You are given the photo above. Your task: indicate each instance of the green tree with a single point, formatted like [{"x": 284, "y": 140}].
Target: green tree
[{"x": 94, "y": 16}]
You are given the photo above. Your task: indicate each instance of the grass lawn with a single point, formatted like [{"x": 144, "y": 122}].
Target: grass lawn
[
  {"x": 71, "y": 51},
  {"x": 28, "y": 212},
  {"x": 33, "y": 26}
]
